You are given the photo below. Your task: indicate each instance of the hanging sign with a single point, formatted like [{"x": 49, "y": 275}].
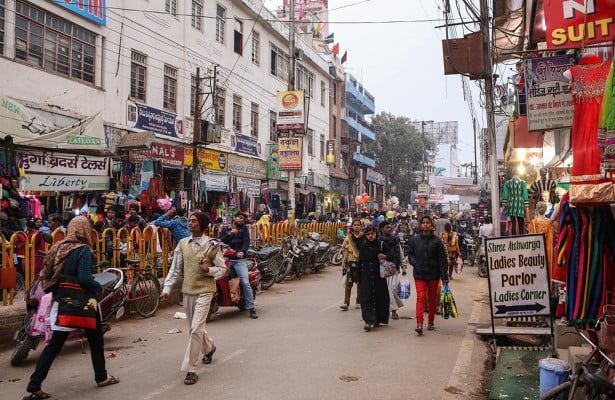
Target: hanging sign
[
  {"x": 169, "y": 156},
  {"x": 152, "y": 119},
  {"x": 64, "y": 183},
  {"x": 518, "y": 276},
  {"x": 549, "y": 101},
  {"x": 290, "y": 153},
  {"x": 290, "y": 108},
  {"x": 63, "y": 164},
  {"x": 576, "y": 23}
]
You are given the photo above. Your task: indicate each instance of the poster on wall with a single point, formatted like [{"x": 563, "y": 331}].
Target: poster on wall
[
  {"x": 290, "y": 109},
  {"x": 154, "y": 120},
  {"x": 518, "y": 276},
  {"x": 549, "y": 101},
  {"x": 290, "y": 153}
]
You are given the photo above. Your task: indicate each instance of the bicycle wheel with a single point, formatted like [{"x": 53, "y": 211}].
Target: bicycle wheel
[
  {"x": 145, "y": 294},
  {"x": 553, "y": 394}
]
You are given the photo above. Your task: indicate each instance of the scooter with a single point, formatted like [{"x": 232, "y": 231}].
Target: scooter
[
  {"x": 110, "y": 302},
  {"x": 222, "y": 296}
]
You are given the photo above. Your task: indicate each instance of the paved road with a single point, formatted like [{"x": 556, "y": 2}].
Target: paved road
[{"x": 301, "y": 347}]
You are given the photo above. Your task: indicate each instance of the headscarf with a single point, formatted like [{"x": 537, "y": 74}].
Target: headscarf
[{"x": 79, "y": 234}]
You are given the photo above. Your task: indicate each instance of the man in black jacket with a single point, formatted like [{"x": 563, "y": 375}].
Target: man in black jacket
[{"x": 427, "y": 254}]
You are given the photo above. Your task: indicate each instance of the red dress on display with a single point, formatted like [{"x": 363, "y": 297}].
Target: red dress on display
[{"x": 587, "y": 87}]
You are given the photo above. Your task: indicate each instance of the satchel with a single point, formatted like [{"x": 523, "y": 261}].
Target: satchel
[
  {"x": 77, "y": 308},
  {"x": 387, "y": 268}
]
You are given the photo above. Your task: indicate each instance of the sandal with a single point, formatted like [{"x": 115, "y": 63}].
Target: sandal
[
  {"x": 37, "y": 395},
  {"x": 191, "y": 378},
  {"x": 111, "y": 380}
]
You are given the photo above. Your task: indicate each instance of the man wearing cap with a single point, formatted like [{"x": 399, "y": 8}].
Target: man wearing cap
[
  {"x": 237, "y": 237},
  {"x": 198, "y": 259}
]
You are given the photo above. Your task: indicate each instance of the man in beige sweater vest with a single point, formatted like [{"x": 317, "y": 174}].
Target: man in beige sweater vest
[{"x": 198, "y": 259}]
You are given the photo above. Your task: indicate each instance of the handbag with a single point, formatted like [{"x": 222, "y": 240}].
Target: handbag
[
  {"x": 387, "y": 268},
  {"x": 77, "y": 308}
]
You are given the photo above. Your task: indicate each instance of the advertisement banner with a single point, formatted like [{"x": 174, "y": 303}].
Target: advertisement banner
[
  {"x": 518, "y": 276},
  {"x": 330, "y": 152},
  {"x": 94, "y": 10},
  {"x": 64, "y": 183},
  {"x": 213, "y": 160},
  {"x": 247, "y": 167},
  {"x": 549, "y": 101},
  {"x": 374, "y": 176},
  {"x": 576, "y": 23},
  {"x": 246, "y": 144},
  {"x": 273, "y": 170},
  {"x": 215, "y": 182},
  {"x": 290, "y": 153},
  {"x": 251, "y": 186},
  {"x": 63, "y": 164},
  {"x": 154, "y": 120},
  {"x": 290, "y": 109},
  {"x": 169, "y": 156}
]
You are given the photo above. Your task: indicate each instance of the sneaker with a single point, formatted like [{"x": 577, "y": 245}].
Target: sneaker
[
  {"x": 430, "y": 326},
  {"x": 344, "y": 307}
]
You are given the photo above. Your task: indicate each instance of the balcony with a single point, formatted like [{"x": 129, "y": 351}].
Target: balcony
[
  {"x": 366, "y": 132},
  {"x": 364, "y": 159},
  {"x": 360, "y": 98}
]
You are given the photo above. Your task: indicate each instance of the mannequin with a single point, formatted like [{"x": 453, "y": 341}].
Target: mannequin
[{"x": 515, "y": 202}]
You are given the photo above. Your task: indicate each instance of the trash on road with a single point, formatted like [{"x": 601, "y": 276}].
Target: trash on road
[
  {"x": 180, "y": 315},
  {"x": 175, "y": 330}
]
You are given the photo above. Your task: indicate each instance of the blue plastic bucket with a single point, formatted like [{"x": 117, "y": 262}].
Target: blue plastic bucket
[{"x": 553, "y": 372}]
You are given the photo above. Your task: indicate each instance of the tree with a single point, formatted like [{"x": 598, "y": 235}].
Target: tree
[{"x": 399, "y": 151}]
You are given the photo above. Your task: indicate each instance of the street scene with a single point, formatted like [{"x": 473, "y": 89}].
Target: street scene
[{"x": 315, "y": 199}]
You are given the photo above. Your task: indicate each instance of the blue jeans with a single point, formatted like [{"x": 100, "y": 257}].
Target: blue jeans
[{"x": 241, "y": 270}]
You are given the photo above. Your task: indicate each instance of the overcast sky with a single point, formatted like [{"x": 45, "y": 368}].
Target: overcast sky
[{"x": 401, "y": 64}]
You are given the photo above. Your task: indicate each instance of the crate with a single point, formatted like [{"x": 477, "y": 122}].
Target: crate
[{"x": 607, "y": 328}]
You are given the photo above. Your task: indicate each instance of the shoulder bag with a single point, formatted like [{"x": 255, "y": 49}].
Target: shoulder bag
[{"x": 387, "y": 268}]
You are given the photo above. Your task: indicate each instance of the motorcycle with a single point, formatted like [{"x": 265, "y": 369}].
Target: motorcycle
[
  {"x": 110, "y": 302},
  {"x": 467, "y": 247},
  {"x": 268, "y": 260},
  {"x": 222, "y": 296}
]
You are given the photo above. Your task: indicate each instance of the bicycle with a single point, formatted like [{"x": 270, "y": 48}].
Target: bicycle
[{"x": 592, "y": 375}]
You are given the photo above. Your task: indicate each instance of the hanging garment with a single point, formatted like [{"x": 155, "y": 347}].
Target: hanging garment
[{"x": 587, "y": 88}]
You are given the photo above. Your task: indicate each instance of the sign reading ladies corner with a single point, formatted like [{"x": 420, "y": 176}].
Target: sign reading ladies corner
[{"x": 518, "y": 276}]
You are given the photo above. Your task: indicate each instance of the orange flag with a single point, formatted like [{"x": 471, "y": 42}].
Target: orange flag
[{"x": 336, "y": 49}]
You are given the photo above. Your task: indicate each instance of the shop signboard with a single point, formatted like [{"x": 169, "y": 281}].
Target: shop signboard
[
  {"x": 160, "y": 122},
  {"x": 94, "y": 10},
  {"x": 246, "y": 145},
  {"x": 548, "y": 97},
  {"x": 247, "y": 167},
  {"x": 64, "y": 183},
  {"x": 577, "y": 23},
  {"x": 212, "y": 160},
  {"x": 518, "y": 276},
  {"x": 273, "y": 170},
  {"x": 374, "y": 176},
  {"x": 330, "y": 152},
  {"x": 215, "y": 182},
  {"x": 42, "y": 162},
  {"x": 290, "y": 108},
  {"x": 251, "y": 186},
  {"x": 290, "y": 153},
  {"x": 170, "y": 156}
]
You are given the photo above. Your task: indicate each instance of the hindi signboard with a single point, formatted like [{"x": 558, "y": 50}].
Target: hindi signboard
[
  {"x": 518, "y": 276},
  {"x": 290, "y": 108},
  {"x": 290, "y": 153},
  {"x": 549, "y": 101}
]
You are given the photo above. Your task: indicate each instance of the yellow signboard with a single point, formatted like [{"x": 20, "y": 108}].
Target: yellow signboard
[{"x": 210, "y": 159}]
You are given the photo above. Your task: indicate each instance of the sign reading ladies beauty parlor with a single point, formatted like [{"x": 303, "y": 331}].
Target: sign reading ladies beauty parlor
[{"x": 518, "y": 276}]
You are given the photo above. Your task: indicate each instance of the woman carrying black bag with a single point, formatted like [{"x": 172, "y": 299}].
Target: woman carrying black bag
[{"x": 71, "y": 256}]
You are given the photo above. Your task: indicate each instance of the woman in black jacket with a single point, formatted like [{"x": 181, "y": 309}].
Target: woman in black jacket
[
  {"x": 374, "y": 289},
  {"x": 426, "y": 252}
]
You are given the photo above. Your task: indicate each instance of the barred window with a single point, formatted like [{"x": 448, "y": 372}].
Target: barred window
[
  {"x": 2, "y": 26},
  {"x": 197, "y": 13},
  {"x": 169, "y": 101},
  {"x": 138, "y": 70},
  {"x": 254, "y": 120},
  {"x": 256, "y": 52},
  {"x": 237, "y": 113},
  {"x": 220, "y": 24},
  {"x": 170, "y": 6},
  {"x": 221, "y": 106},
  {"x": 273, "y": 133},
  {"x": 279, "y": 62},
  {"x": 46, "y": 41}
]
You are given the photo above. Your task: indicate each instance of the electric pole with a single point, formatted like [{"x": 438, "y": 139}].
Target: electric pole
[
  {"x": 291, "y": 86},
  {"x": 493, "y": 160}
]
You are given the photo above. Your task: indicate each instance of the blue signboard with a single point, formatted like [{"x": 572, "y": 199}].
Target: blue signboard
[
  {"x": 246, "y": 145},
  {"x": 94, "y": 10},
  {"x": 154, "y": 120}
]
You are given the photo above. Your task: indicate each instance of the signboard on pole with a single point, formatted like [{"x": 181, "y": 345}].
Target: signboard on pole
[
  {"x": 290, "y": 108},
  {"x": 518, "y": 276}
]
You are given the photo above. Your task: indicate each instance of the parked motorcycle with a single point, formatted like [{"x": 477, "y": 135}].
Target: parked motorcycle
[
  {"x": 222, "y": 296},
  {"x": 467, "y": 247},
  {"x": 268, "y": 260},
  {"x": 110, "y": 302}
]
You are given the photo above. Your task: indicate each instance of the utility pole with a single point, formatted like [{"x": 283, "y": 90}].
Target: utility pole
[
  {"x": 291, "y": 86},
  {"x": 493, "y": 161},
  {"x": 196, "y": 135}
]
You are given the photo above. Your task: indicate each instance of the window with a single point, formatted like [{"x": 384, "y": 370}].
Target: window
[
  {"x": 192, "y": 93},
  {"x": 2, "y": 26},
  {"x": 334, "y": 93},
  {"x": 279, "y": 62},
  {"x": 169, "y": 100},
  {"x": 138, "y": 70},
  {"x": 254, "y": 120},
  {"x": 238, "y": 37},
  {"x": 322, "y": 93},
  {"x": 197, "y": 13},
  {"x": 236, "y": 113},
  {"x": 256, "y": 43},
  {"x": 220, "y": 105},
  {"x": 304, "y": 80},
  {"x": 54, "y": 44},
  {"x": 310, "y": 141},
  {"x": 322, "y": 147},
  {"x": 334, "y": 130},
  {"x": 220, "y": 22},
  {"x": 170, "y": 6},
  {"x": 273, "y": 134}
]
